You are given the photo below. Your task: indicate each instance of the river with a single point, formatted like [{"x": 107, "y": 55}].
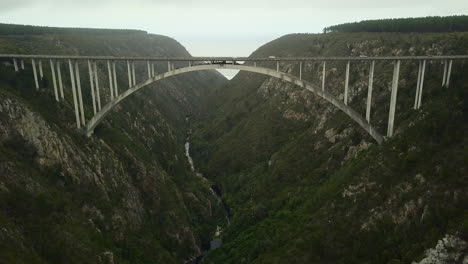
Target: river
[{"x": 216, "y": 241}]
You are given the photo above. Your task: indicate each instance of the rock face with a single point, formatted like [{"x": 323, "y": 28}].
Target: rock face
[
  {"x": 127, "y": 191},
  {"x": 450, "y": 249},
  {"x": 305, "y": 183}
]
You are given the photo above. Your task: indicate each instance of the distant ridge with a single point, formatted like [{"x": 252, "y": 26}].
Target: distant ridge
[
  {"x": 406, "y": 25},
  {"x": 15, "y": 29}
]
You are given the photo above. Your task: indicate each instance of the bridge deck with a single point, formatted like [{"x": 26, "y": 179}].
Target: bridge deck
[{"x": 377, "y": 58}]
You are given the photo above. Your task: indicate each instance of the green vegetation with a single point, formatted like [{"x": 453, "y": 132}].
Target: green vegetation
[
  {"x": 406, "y": 25},
  {"x": 127, "y": 190},
  {"x": 13, "y": 29},
  {"x": 296, "y": 191}
]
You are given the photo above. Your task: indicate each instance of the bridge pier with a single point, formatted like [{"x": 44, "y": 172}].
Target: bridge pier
[
  {"x": 109, "y": 70},
  {"x": 80, "y": 97},
  {"x": 22, "y": 65},
  {"x": 33, "y": 62},
  {"x": 91, "y": 84},
  {"x": 323, "y": 75},
  {"x": 421, "y": 84},
  {"x": 52, "y": 70},
  {"x": 449, "y": 72},
  {"x": 116, "y": 90},
  {"x": 369, "y": 90},
  {"x": 277, "y": 66},
  {"x": 133, "y": 73},
  {"x": 97, "y": 85},
  {"x": 346, "y": 84},
  {"x": 149, "y": 69},
  {"x": 255, "y": 64},
  {"x": 41, "y": 72},
  {"x": 15, "y": 64},
  {"x": 393, "y": 98},
  {"x": 445, "y": 73},
  {"x": 59, "y": 73},
  {"x": 129, "y": 75},
  {"x": 152, "y": 70},
  {"x": 75, "y": 100}
]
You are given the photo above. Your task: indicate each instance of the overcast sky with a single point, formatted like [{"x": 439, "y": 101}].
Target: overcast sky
[{"x": 218, "y": 27}]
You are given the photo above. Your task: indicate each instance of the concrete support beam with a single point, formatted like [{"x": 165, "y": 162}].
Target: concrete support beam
[
  {"x": 75, "y": 100},
  {"x": 59, "y": 73},
  {"x": 152, "y": 70},
  {"x": 52, "y": 70},
  {"x": 149, "y": 69},
  {"x": 418, "y": 85},
  {"x": 393, "y": 98},
  {"x": 133, "y": 73},
  {"x": 421, "y": 83},
  {"x": 111, "y": 87},
  {"x": 91, "y": 84},
  {"x": 445, "y": 74},
  {"x": 22, "y": 64},
  {"x": 449, "y": 72},
  {"x": 168, "y": 66},
  {"x": 33, "y": 62},
  {"x": 300, "y": 70},
  {"x": 114, "y": 72},
  {"x": 129, "y": 75},
  {"x": 41, "y": 72},
  {"x": 80, "y": 96},
  {"x": 369, "y": 90},
  {"x": 277, "y": 66},
  {"x": 15, "y": 64},
  {"x": 98, "y": 96},
  {"x": 346, "y": 84},
  {"x": 324, "y": 75}
]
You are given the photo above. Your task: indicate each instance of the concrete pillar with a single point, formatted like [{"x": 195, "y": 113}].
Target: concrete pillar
[
  {"x": 91, "y": 84},
  {"x": 133, "y": 73},
  {"x": 418, "y": 84},
  {"x": 445, "y": 73},
  {"x": 422, "y": 83},
  {"x": 393, "y": 98},
  {"x": 59, "y": 73},
  {"x": 22, "y": 64},
  {"x": 35, "y": 73},
  {"x": 190, "y": 63},
  {"x": 447, "y": 81},
  {"x": 111, "y": 87},
  {"x": 168, "y": 66},
  {"x": 277, "y": 66},
  {"x": 152, "y": 70},
  {"x": 15, "y": 64},
  {"x": 116, "y": 90},
  {"x": 172, "y": 66},
  {"x": 300, "y": 70},
  {"x": 41, "y": 72},
  {"x": 129, "y": 75},
  {"x": 255, "y": 64},
  {"x": 98, "y": 96},
  {"x": 80, "y": 97},
  {"x": 346, "y": 84},
  {"x": 369, "y": 90},
  {"x": 52, "y": 70},
  {"x": 323, "y": 75},
  {"x": 75, "y": 101},
  {"x": 149, "y": 69}
]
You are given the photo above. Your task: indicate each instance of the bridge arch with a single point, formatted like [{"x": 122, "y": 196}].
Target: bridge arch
[{"x": 97, "y": 119}]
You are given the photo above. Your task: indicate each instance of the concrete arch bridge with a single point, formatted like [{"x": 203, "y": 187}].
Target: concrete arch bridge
[{"x": 193, "y": 64}]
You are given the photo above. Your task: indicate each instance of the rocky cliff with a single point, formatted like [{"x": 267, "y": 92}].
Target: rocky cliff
[
  {"x": 125, "y": 195},
  {"x": 307, "y": 185}
]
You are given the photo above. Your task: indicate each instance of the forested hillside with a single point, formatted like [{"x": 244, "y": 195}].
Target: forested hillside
[
  {"x": 125, "y": 195},
  {"x": 407, "y": 25},
  {"x": 305, "y": 184}
]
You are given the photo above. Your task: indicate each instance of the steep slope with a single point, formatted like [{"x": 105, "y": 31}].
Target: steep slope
[
  {"x": 306, "y": 185},
  {"x": 125, "y": 195}
]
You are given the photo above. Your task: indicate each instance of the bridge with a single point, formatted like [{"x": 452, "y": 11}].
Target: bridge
[{"x": 193, "y": 64}]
